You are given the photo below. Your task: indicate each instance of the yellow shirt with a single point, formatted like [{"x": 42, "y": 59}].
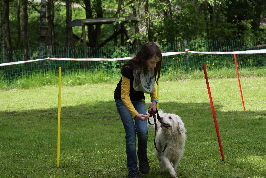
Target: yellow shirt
[{"x": 125, "y": 91}]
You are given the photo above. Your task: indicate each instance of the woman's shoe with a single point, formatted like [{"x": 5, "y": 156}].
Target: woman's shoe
[
  {"x": 144, "y": 166},
  {"x": 134, "y": 174}
]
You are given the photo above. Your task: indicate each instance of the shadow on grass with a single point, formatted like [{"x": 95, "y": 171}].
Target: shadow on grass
[{"x": 92, "y": 142}]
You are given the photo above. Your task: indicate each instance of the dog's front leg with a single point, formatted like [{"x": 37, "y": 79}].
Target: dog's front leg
[
  {"x": 161, "y": 164},
  {"x": 176, "y": 162},
  {"x": 169, "y": 166}
]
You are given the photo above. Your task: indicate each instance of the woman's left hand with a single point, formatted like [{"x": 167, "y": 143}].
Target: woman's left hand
[{"x": 152, "y": 107}]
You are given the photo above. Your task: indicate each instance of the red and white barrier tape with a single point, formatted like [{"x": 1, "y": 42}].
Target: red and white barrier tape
[
  {"x": 90, "y": 59},
  {"x": 234, "y": 52},
  {"x": 20, "y": 62},
  {"x": 171, "y": 53},
  {"x": 127, "y": 58}
]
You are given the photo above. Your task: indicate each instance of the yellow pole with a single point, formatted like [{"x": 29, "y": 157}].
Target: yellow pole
[
  {"x": 59, "y": 115},
  {"x": 158, "y": 88}
]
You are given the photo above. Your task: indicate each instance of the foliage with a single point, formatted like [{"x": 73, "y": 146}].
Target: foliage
[{"x": 167, "y": 21}]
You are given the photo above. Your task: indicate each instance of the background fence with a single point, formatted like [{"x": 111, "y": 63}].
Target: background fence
[{"x": 185, "y": 62}]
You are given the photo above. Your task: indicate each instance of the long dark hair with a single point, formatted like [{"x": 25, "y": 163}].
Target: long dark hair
[{"x": 146, "y": 52}]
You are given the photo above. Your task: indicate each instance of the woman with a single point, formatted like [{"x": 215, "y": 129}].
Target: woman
[{"x": 138, "y": 77}]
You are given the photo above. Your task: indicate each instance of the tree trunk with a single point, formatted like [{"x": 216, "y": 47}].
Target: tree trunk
[
  {"x": 134, "y": 7},
  {"x": 2, "y": 32},
  {"x": 50, "y": 18},
  {"x": 150, "y": 33},
  {"x": 118, "y": 13},
  {"x": 43, "y": 28},
  {"x": 6, "y": 25},
  {"x": 18, "y": 25},
  {"x": 24, "y": 31},
  {"x": 69, "y": 32},
  {"x": 88, "y": 10},
  {"x": 93, "y": 32},
  {"x": 99, "y": 12}
]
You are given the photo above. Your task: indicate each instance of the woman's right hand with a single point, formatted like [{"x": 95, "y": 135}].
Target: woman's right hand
[{"x": 143, "y": 117}]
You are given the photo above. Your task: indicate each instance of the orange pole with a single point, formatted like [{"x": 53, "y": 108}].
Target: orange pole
[
  {"x": 213, "y": 112},
  {"x": 239, "y": 83}
]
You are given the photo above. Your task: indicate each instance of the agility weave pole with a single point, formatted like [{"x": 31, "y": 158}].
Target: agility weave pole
[
  {"x": 59, "y": 116},
  {"x": 213, "y": 112},
  {"x": 239, "y": 83}
]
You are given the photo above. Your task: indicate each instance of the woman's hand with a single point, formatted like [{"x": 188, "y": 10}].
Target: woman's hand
[
  {"x": 152, "y": 107},
  {"x": 143, "y": 117}
]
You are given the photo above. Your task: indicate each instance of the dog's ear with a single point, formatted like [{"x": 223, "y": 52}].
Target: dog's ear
[
  {"x": 160, "y": 112},
  {"x": 180, "y": 128}
]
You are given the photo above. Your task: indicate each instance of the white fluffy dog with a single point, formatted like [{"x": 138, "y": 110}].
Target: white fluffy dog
[{"x": 169, "y": 141}]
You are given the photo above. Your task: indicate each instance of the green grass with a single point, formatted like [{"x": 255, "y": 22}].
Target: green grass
[
  {"x": 39, "y": 79},
  {"x": 92, "y": 135}
]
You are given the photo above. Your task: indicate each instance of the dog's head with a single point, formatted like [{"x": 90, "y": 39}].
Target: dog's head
[{"x": 173, "y": 122}]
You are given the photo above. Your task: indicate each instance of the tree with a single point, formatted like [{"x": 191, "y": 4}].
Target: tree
[
  {"x": 93, "y": 32},
  {"x": 18, "y": 13},
  {"x": 258, "y": 7},
  {"x": 163, "y": 21},
  {"x": 43, "y": 27},
  {"x": 69, "y": 32},
  {"x": 5, "y": 21},
  {"x": 24, "y": 27},
  {"x": 50, "y": 19},
  {"x": 2, "y": 31}
]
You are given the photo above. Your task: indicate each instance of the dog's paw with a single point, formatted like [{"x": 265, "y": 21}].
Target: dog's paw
[
  {"x": 173, "y": 175},
  {"x": 162, "y": 167},
  {"x": 172, "y": 172}
]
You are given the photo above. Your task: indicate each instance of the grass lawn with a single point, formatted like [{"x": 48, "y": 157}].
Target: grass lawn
[{"x": 92, "y": 135}]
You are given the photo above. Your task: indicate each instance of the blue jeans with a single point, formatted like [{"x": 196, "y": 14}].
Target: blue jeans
[{"x": 133, "y": 128}]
